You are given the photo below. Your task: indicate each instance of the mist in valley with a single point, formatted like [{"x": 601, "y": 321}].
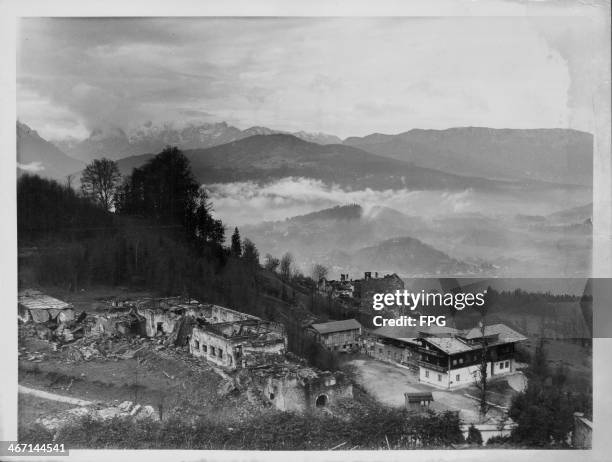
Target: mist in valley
[{"x": 539, "y": 229}]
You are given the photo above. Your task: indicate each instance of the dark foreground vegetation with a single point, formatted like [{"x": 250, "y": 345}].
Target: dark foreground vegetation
[
  {"x": 544, "y": 411},
  {"x": 376, "y": 429}
]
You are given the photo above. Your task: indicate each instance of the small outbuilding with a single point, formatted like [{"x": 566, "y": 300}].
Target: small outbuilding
[
  {"x": 338, "y": 335},
  {"x": 418, "y": 401}
]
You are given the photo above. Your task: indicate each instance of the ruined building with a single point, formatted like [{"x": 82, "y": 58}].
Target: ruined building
[
  {"x": 237, "y": 344},
  {"x": 288, "y": 386},
  {"x": 163, "y": 315},
  {"x": 33, "y": 305}
]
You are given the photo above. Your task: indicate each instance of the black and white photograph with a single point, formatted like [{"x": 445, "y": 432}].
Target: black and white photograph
[{"x": 310, "y": 232}]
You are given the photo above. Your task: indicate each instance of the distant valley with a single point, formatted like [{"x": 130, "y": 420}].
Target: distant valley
[
  {"x": 464, "y": 201},
  {"x": 351, "y": 239}
]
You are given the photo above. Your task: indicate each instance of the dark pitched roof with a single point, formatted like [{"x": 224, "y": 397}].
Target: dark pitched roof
[
  {"x": 505, "y": 334},
  {"x": 408, "y": 332},
  {"x": 336, "y": 326},
  {"x": 459, "y": 343},
  {"x": 417, "y": 397}
]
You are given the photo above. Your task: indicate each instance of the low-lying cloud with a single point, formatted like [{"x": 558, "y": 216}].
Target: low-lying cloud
[
  {"x": 248, "y": 202},
  {"x": 32, "y": 167}
]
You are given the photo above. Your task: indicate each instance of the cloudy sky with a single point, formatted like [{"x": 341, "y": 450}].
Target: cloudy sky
[{"x": 345, "y": 76}]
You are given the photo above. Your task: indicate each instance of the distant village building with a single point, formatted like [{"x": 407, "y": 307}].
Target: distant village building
[
  {"x": 338, "y": 335},
  {"x": 33, "y": 305},
  {"x": 368, "y": 286},
  {"x": 337, "y": 289}
]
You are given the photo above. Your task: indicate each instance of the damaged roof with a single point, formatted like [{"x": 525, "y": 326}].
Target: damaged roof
[
  {"x": 36, "y": 300},
  {"x": 336, "y": 326}
]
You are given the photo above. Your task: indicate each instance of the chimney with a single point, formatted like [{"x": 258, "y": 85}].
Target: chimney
[
  {"x": 342, "y": 277},
  {"x": 368, "y": 275},
  {"x": 376, "y": 274}
]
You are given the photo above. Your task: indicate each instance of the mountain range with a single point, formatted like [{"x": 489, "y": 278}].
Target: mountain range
[
  {"x": 264, "y": 158},
  {"x": 554, "y": 155},
  {"x": 114, "y": 143},
  {"x": 36, "y": 155},
  {"x": 441, "y": 222},
  {"x": 414, "y": 157}
]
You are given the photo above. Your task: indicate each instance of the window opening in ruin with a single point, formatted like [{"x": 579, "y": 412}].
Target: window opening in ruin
[
  {"x": 220, "y": 353},
  {"x": 196, "y": 344},
  {"x": 160, "y": 327},
  {"x": 321, "y": 401},
  {"x": 271, "y": 395}
]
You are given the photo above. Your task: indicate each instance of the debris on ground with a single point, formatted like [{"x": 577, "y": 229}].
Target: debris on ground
[{"x": 125, "y": 410}]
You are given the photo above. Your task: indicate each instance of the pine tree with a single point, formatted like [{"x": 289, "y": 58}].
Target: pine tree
[{"x": 236, "y": 247}]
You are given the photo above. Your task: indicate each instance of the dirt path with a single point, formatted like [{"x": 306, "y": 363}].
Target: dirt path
[
  {"x": 53, "y": 396},
  {"x": 388, "y": 383}
]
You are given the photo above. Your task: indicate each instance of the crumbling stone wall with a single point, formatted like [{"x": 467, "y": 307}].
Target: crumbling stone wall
[
  {"x": 295, "y": 393},
  {"x": 233, "y": 352},
  {"x": 219, "y": 314},
  {"x": 214, "y": 348},
  {"x": 159, "y": 321}
]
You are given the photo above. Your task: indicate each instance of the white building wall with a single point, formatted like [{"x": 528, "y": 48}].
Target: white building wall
[
  {"x": 464, "y": 375},
  {"x": 433, "y": 377}
]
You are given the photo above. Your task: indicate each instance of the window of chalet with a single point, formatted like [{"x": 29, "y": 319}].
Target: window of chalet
[
  {"x": 427, "y": 374},
  {"x": 458, "y": 378},
  {"x": 439, "y": 377}
]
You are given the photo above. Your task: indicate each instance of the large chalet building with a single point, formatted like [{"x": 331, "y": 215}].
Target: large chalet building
[
  {"x": 455, "y": 360},
  {"x": 447, "y": 357}
]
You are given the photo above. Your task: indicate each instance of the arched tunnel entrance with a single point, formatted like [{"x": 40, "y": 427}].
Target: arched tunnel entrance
[{"x": 321, "y": 401}]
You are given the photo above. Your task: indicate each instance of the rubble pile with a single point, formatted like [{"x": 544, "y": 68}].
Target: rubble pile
[
  {"x": 125, "y": 410},
  {"x": 33, "y": 356}
]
